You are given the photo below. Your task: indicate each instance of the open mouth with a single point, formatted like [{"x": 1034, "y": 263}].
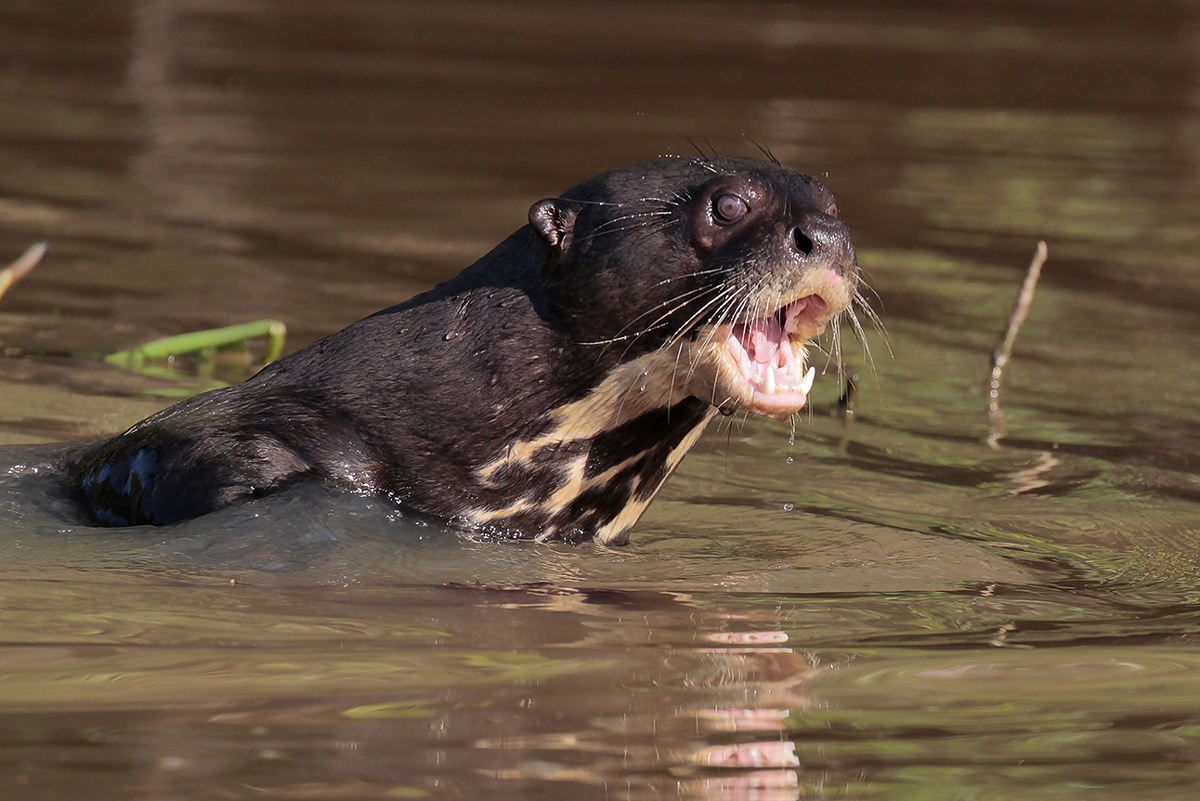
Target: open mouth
[{"x": 768, "y": 356}]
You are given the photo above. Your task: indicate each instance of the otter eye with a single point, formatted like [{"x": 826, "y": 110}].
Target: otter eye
[
  {"x": 832, "y": 210},
  {"x": 729, "y": 209}
]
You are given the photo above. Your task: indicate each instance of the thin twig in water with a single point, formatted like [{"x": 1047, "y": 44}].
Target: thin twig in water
[
  {"x": 21, "y": 267},
  {"x": 846, "y": 407},
  {"x": 997, "y": 426}
]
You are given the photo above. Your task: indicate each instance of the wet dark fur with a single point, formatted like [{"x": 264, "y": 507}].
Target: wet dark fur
[{"x": 413, "y": 401}]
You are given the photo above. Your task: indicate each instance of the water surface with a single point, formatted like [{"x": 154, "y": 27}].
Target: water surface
[{"x": 889, "y": 610}]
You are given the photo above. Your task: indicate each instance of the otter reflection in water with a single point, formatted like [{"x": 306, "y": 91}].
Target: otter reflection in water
[{"x": 548, "y": 390}]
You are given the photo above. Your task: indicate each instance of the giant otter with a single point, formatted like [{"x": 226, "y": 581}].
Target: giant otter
[{"x": 548, "y": 390}]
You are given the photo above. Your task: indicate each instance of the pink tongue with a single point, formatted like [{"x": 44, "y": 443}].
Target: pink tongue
[{"x": 762, "y": 340}]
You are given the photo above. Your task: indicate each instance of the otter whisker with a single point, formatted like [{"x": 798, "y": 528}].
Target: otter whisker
[
  {"x": 674, "y": 339},
  {"x": 695, "y": 319},
  {"x": 861, "y": 336},
  {"x": 873, "y": 318},
  {"x": 685, "y": 276},
  {"x": 610, "y": 226},
  {"x": 676, "y": 304},
  {"x": 692, "y": 321},
  {"x": 738, "y": 302},
  {"x": 647, "y": 227}
]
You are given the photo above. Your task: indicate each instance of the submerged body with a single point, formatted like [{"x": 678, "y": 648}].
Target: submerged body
[{"x": 548, "y": 390}]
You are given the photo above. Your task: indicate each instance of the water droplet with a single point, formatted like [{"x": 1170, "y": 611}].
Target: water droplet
[
  {"x": 790, "y": 460},
  {"x": 787, "y": 507}
]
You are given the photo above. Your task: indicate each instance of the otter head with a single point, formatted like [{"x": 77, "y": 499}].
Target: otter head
[{"x": 704, "y": 277}]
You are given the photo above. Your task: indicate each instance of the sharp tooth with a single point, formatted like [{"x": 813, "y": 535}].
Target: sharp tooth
[
  {"x": 809, "y": 377},
  {"x": 769, "y": 381}
]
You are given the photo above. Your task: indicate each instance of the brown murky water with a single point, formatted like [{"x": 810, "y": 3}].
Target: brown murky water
[{"x": 906, "y": 614}]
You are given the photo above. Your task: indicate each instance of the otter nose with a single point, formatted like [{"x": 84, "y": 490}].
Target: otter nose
[{"x": 823, "y": 240}]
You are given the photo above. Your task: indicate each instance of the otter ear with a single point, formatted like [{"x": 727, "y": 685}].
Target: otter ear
[{"x": 554, "y": 220}]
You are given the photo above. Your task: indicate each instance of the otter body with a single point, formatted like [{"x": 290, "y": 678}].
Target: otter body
[{"x": 549, "y": 389}]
